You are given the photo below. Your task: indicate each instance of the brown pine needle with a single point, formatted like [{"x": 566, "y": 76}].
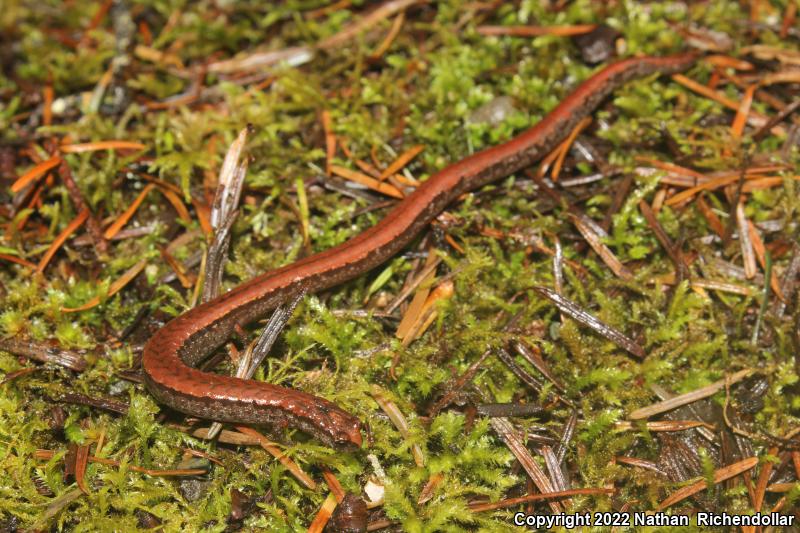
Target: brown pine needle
[
  {"x": 281, "y": 456},
  {"x": 707, "y": 186},
  {"x": 62, "y": 237},
  {"x": 177, "y": 268},
  {"x": 737, "y": 128},
  {"x": 17, "y": 260},
  {"x": 765, "y": 183},
  {"x": 324, "y": 514},
  {"x": 513, "y": 441},
  {"x": 763, "y": 480},
  {"x": 789, "y": 16},
  {"x": 36, "y": 173},
  {"x": 398, "y": 420},
  {"x": 176, "y": 202},
  {"x": 720, "y": 475},
  {"x": 47, "y": 105},
  {"x": 427, "y": 313},
  {"x": 48, "y": 454},
  {"x": 100, "y": 145},
  {"x": 363, "y": 179},
  {"x": 711, "y": 284},
  {"x": 113, "y": 289},
  {"x": 689, "y": 397},
  {"x": 397, "y": 24},
  {"x": 748, "y": 254},
  {"x": 537, "y": 31},
  {"x": 203, "y": 211},
  {"x": 330, "y": 141},
  {"x": 430, "y": 487},
  {"x": 544, "y": 165},
  {"x": 754, "y": 118},
  {"x": 594, "y": 235},
  {"x": 422, "y": 283},
  {"x": 784, "y": 76},
  {"x": 563, "y": 149},
  {"x": 126, "y": 215},
  {"x": 511, "y": 502},
  {"x": 370, "y": 20},
  {"x": 723, "y": 61},
  {"x": 333, "y": 484},
  {"x": 761, "y": 254},
  {"x": 663, "y": 425},
  {"x": 671, "y": 167},
  {"x": 401, "y": 161},
  {"x": 570, "y": 309},
  {"x": 81, "y": 460}
]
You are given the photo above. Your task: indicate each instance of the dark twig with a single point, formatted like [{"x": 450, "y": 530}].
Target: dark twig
[
  {"x": 223, "y": 214},
  {"x": 45, "y": 353},
  {"x": 108, "y": 404},
  {"x": 674, "y": 253},
  {"x": 261, "y": 348},
  {"x": 511, "y": 438},
  {"x": 566, "y": 436},
  {"x": 765, "y": 301},
  {"x": 100, "y": 243},
  {"x": 492, "y": 410},
  {"x": 570, "y": 308},
  {"x": 532, "y": 355},
  {"x": 774, "y": 121}
]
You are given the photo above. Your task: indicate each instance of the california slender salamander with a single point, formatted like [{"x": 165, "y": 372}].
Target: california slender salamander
[{"x": 171, "y": 354}]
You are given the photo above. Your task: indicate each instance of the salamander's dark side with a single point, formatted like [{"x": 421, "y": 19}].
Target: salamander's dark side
[{"x": 171, "y": 354}]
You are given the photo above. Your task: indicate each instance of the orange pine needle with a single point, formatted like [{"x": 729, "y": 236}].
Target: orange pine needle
[
  {"x": 333, "y": 484},
  {"x": 363, "y": 179},
  {"x": 707, "y": 186},
  {"x": 177, "y": 203},
  {"x": 763, "y": 480},
  {"x": 711, "y": 217},
  {"x": 537, "y": 31},
  {"x": 401, "y": 161},
  {"x": 756, "y": 119},
  {"x": 203, "y": 215},
  {"x": 325, "y": 512},
  {"x": 563, "y": 149},
  {"x": 47, "y": 105},
  {"x": 81, "y": 460},
  {"x": 427, "y": 313},
  {"x": 784, "y": 76},
  {"x": 35, "y": 173},
  {"x": 788, "y": 19},
  {"x": 719, "y": 476},
  {"x": 330, "y": 141},
  {"x": 276, "y": 452},
  {"x": 101, "y": 145},
  {"x": 17, "y": 260},
  {"x": 512, "y": 502},
  {"x": 748, "y": 253},
  {"x": 47, "y": 455},
  {"x": 390, "y": 37},
  {"x": 62, "y": 237},
  {"x": 113, "y": 289},
  {"x": 742, "y": 113},
  {"x": 671, "y": 167},
  {"x": 761, "y": 255},
  {"x": 126, "y": 215},
  {"x": 723, "y": 61}
]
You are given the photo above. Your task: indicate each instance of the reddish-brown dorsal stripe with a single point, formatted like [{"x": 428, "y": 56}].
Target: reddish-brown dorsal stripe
[{"x": 171, "y": 354}]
